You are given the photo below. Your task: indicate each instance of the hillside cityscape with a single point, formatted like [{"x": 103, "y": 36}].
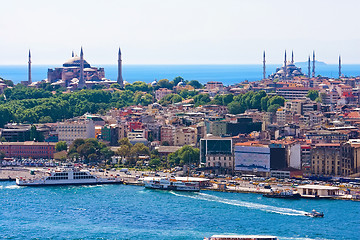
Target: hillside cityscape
[
  {"x": 306, "y": 125},
  {"x": 179, "y": 120}
]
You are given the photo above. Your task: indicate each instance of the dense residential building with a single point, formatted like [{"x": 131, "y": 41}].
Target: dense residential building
[
  {"x": 185, "y": 136},
  {"x": 162, "y": 92},
  {"x": 72, "y": 129},
  {"x": 28, "y": 149},
  {"x": 290, "y": 93}
]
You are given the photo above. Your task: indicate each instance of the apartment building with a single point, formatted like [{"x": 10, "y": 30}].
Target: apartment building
[
  {"x": 185, "y": 136},
  {"x": 72, "y": 129}
]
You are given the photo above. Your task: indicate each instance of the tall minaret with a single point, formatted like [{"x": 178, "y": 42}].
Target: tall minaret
[
  {"x": 81, "y": 83},
  {"x": 120, "y": 80},
  {"x": 339, "y": 66},
  {"x": 29, "y": 69},
  {"x": 309, "y": 67},
  {"x": 313, "y": 70},
  {"x": 292, "y": 56},
  {"x": 264, "y": 67},
  {"x": 285, "y": 66}
]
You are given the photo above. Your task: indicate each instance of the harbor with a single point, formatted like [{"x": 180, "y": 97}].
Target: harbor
[
  {"x": 134, "y": 212},
  {"x": 220, "y": 184}
]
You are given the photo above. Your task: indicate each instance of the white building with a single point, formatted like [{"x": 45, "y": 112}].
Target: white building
[{"x": 73, "y": 129}]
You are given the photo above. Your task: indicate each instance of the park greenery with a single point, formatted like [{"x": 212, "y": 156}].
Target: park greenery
[{"x": 21, "y": 104}]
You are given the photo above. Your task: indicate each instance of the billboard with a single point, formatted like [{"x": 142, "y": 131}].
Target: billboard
[{"x": 252, "y": 159}]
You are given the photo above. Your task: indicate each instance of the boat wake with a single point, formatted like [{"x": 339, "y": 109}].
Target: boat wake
[
  {"x": 12, "y": 187},
  {"x": 250, "y": 205}
]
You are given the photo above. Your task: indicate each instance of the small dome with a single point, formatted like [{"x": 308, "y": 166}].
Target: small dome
[
  {"x": 154, "y": 83},
  {"x": 75, "y": 62},
  {"x": 181, "y": 84}
]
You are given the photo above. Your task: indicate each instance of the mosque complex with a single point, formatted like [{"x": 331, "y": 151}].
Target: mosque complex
[{"x": 77, "y": 73}]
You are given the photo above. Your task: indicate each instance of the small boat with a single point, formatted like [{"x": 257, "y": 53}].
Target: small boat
[
  {"x": 68, "y": 175},
  {"x": 241, "y": 237},
  {"x": 283, "y": 194},
  {"x": 314, "y": 213},
  {"x": 172, "y": 183}
]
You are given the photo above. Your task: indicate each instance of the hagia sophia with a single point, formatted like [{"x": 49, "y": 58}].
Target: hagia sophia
[{"x": 77, "y": 73}]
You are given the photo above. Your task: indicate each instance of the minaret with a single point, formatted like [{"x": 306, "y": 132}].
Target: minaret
[
  {"x": 309, "y": 67},
  {"x": 313, "y": 70},
  {"x": 120, "y": 80},
  {"x": 81, "y": 83},
  {"x": 29, "y": 69},
  {"x": 285, "y": 66},
  {"x": 339, "y": 66},
  {"x": 264, "y": 67},
  {"x": 292, "y": 56}
]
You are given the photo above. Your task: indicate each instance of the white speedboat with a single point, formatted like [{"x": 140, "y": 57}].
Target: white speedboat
[
  {"x": 241, "y": 237},
  {"x": 67, "y": 175},
  {"x": 175, "y": 184},
  {"x": 314, "y": 213}
]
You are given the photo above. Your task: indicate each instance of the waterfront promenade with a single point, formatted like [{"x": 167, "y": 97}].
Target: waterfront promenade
[{"x": 134, "y": 178}]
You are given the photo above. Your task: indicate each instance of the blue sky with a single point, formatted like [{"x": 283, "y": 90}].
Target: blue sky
[{"x": 179, "y": 31}]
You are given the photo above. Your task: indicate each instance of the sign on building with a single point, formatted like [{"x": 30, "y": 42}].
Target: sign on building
[{"x": 252, "y": 159}]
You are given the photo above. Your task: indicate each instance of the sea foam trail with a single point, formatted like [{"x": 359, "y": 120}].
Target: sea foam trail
[
  {"x": 13, "y": 187},
  {"x": 257, "y": 206}
]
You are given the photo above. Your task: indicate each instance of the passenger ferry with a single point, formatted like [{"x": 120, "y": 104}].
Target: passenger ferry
[
  {"x": 241, "y": 237},
  {"x": 67, "y": 175},
  {"x": 173, "y": 183}
]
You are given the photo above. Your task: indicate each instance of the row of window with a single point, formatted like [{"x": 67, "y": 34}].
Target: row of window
[
  {"x": 57, "y": 178},
  {"x": 84, "y": 177}
]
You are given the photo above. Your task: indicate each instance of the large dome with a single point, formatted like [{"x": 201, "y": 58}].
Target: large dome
[{"x": 75, "y": 62}]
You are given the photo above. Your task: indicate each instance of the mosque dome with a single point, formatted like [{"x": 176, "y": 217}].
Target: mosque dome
[
  {"x": 75, "y": 62},
  {"x": 182, "y": 84},
  {"x": 154, "y": 83}
]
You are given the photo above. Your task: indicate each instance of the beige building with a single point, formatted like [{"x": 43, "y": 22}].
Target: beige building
[
  {"x": 76, "y": 128},
  {"x": 162, "y": 92},
  {"x": 326, "y": 159},
  {"x": 225, "y": 161},
  {"x": 185, "y": 136}
]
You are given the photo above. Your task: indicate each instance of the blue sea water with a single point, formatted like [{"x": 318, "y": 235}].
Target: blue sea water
[
  {"x": 132, "y": 212},
  {"x": 228, "y": 74}
]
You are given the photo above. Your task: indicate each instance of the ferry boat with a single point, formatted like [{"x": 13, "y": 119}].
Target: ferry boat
[
  {"x": 289, "y": 194},
  {"x": 241, "y": 237},
  {"x": 173, "y": 183},
  {"x": 67, "y": 175}
]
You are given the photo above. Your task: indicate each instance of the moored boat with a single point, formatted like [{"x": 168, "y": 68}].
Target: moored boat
[
  {"x": 283, "y": 194},
  {"x": 173, "y": 183},
  {"x": 67, "y": 175}
]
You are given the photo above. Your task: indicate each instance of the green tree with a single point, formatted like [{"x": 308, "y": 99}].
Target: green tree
[
  {"x": 273, "y": 108},
  {"x": 277, "y": 100},
  {"x": 313, "y": 94},
  {"x": 195, "y": 84},
  {"x": 60, "y": 146},
  {"x": 236, "y": 108},
  {"x": 123, "y": 151},
  {"x": 139, "y": 149},
  {"x": 176, "y": 81},
  {"x": 201, "y": 99},
  {"x": 184, "y": 156},
  {"x": 155, "y": 163},
  {"x": 170, "y": 99},
  {"x": 164, "y": 83}
]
